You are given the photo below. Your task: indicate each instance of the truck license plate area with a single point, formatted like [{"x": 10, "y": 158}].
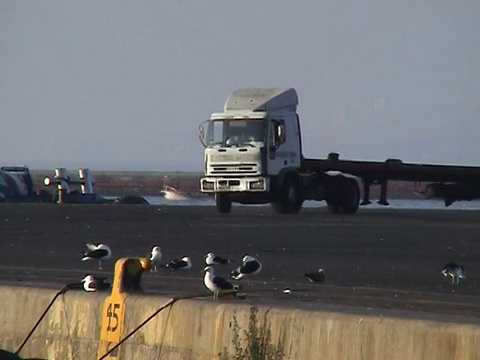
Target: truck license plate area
[{"x": 227, "y": 184}]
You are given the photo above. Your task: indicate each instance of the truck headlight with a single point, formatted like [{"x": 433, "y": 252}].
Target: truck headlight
[
  {"x": 207, "y": 185},
  {"x": 257, "y": 185}
]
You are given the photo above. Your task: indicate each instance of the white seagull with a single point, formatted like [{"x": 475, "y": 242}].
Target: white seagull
[
  {"x": 212, "y": 259},
  {"x": 97, "y": 252},
  {"x": 250, "y": 266},
  {"x": 155, "y": 258},
  {"x": 318, "y": 276},
  {"x": 455, "y": 271},
  {"x": 91, "y": 283},
  {"x": 180, "y": 264},
  {"x": 217, "y": 284}
]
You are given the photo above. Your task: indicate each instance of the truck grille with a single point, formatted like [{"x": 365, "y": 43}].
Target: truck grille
[{"x": 234, "y": 169}]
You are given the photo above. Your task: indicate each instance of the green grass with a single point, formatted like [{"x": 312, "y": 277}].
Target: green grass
[{"x": 256, "y": 343}]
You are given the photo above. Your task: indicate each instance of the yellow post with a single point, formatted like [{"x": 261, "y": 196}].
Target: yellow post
[{"x": 126, "y": 279}]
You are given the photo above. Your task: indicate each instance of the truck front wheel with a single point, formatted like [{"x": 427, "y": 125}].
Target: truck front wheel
[
  {"x": 289, "y": 199},
  {"x": 223, "y": 202},
  {"x": 343, "y": 195}
]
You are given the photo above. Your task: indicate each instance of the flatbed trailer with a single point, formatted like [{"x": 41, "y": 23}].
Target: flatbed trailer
[{"x": 450, "y": 182}]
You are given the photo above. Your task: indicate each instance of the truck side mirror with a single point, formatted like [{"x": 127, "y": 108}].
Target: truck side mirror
[{"x": 201, "y": 133}]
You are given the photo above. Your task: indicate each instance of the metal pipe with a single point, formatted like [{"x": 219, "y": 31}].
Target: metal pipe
[
  {"x": 61, "y": 179},
  {"x": 86, "y": 181}
]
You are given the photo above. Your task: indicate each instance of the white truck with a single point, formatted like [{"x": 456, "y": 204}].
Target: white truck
[{"x": 253, "y": 155}]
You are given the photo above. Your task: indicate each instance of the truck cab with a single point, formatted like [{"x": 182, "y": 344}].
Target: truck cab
[{"x": 253, "y": 151}]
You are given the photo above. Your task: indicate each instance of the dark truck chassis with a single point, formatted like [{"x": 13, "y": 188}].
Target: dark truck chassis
[{"x": 449, "y": 182}]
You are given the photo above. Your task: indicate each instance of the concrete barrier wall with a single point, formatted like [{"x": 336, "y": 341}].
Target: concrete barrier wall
[
  {"x": 70, "y": 329},
  {"x": 200, "y": 329}
]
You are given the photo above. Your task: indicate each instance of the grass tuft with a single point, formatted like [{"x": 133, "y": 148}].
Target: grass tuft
[{"x": 256, "y": 343}]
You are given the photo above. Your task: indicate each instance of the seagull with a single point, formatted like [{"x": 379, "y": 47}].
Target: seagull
[
  {"x": 212, "y": 259},
  {"x": 91, "y": 283},
  {"x": 217, "y": 284},
  {"x": 155, "y": 258},
  {"x": 180, "y": 264},
  {"x": 97, "y": 252},
  {"x": 250, "y": 266},
  {"x": 316, "y": 276},
  {"x": 455, "y": 271}
]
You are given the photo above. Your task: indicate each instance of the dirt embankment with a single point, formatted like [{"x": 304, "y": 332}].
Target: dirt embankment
[{"x": 150, "y": 183}]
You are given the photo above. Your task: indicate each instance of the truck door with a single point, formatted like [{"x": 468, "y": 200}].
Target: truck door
[{"x": 283, "y": 148}]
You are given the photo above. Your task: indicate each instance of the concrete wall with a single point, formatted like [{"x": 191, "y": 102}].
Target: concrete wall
[
  {"x": 70, "y": 330},
  {"x": 200, "y": 329}
]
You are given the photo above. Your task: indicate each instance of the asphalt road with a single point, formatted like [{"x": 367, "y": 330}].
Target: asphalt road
[{"x": 382, "y": 261}]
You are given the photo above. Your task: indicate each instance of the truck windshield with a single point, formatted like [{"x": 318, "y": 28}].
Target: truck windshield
[{"x": 236, "y": 132}]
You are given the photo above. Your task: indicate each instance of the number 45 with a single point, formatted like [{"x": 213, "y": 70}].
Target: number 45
[{"x": 112, "y": 315}]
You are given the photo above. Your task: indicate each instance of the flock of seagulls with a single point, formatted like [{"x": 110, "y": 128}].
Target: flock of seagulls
[
  {"x": 155, "y": 260},
  {"x": 249, "y": 267},
  {"x": 98, "y": 252}
]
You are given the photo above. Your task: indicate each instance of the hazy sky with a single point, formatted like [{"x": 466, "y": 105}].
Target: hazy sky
[{"x": 123, "y": 85}]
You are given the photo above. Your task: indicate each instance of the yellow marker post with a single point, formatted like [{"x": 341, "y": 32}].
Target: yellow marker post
[{"x": 126, "y": 279}]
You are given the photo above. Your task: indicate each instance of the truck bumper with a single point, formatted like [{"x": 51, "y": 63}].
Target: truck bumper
[{"x": 234, "y": 185}]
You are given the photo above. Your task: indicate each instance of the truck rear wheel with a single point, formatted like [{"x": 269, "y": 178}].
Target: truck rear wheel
[
  {"x": 343, "y": 195},
  {"x": 223, "y": 202},
  {"x": 289, "y": 199}
]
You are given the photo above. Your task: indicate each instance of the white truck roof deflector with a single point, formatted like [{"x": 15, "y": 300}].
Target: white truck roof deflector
[{"x": 262, "y": 99}]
